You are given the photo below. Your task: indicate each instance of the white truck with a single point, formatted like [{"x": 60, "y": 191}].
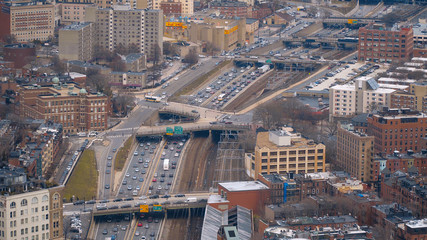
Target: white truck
[
  {"x": 264, "y": 68},
  {"x": 191, "y": 200}
]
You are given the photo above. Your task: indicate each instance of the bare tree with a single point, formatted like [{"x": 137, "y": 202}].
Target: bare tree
[
  {"x": 99, "y": 82},
  {"x": 10, "y": 38},
  {"x": 101, "y": 53},
  {"x": 331, "y": 128},
  {"x": 117, "y": 64},
  {"x": 191, "y": 57},
  {"x": 247, "y": 140},
  {"x": 170, "y": 49},
  {"x": 210, "y": 48},
  {"x": 58, "y": 65},
  {"x": 123, "y": 102}
]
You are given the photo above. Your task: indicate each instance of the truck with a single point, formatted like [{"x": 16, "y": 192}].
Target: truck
[
  {"x": 191, "y": 200},
  {"x": 264, "y": 68},
  {"x": 166, "y": 164}
]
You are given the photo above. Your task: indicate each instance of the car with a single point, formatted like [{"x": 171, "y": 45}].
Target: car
[
  {"x": 114, "y": 150},
  {"x": 91, "y": 202},
  {"x": 138, "y": 188},
  {"x": 79, "y": 202},
  {"x": 124, "y": 227},
  {"x": 152, "y": 234},
  {"x": 109, "y": 164},
  {"x": 117, "y": 200},
  {"x": 134, "y": 177},
  {"x": 166, "y": 196},
  {"x": 141, "y": 179},
  {"x": 137, "y": 233},
  {"x": 110, "y": 157},
  {"x": 105, "y": 232},
  {"x": 107, "y": 186},
  {"x": 169, "y": 183},
  {"x": 130, "y": 187},
  {"x": 127, "y": 175},
  {"x": 153, "y": 197},
  {"x": 140, "y": 224},
  {"x": 136, "y": 169},
  {"x": 154, "y": 180},
  {"x": 170, "y": 175},
  {"x": 155, "y": 175},
  {"x": 113, "y": 207},
  {"x": 115, "y": 229},
  {"x": 108, "y": 171},
  {"x": 135, "y": 153},
  {"x": 159, "y": 187},
  {"x": 143, "y": 238},
  {"x": 156, "y": 220},
  {"x": 126, "y": 206},
  {"x": 150, "y": 219},
  {"x": 162, "y": 179},
  {"x": 140, "y": 160},
  {"x": 180, "y": 195},
  {"x": 145, "y": 165},
  {"x": 143, "y": 171},
  {"x": 162, "y": 175},
  {"x": 128, "y": 199},
  {"x": 124, "y": 182},
  {"x": 194, "y": 111}
]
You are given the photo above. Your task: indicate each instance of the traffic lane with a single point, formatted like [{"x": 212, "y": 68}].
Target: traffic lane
[
  {"x": 165, "y": 175},
  {"x": 131, "y": 171},
  {"x": 136, "y": 118},
  {"x": 115, "y": 143},
  {"x": 142, "y": 230}
]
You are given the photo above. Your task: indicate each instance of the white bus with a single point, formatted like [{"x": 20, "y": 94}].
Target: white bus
[
  {"x": 221, "y": 97},
  {"x": 166, "y": 164}
]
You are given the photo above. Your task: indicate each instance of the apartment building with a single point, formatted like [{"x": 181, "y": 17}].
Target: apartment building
[
  {"x": 171, "y": 8},
  {"x": 32, "y": 215},
  {"x": 124, "y": 26},
  {"x": 378, "y": 43},
  {"x": 76, "y": 42},
  {"x": 74, "y": 12},
  {"x": 365, "y": 95},
  {"x": 134, "y": 80},
  {"x": 415, "y": 98},
  {"x": 355, "y": 152},
  {"x": 68, "y": 104},
  {"x": 398, "y": 130},
  {"x": 31, "y": 21},
  {"x": 285, "y": 152}
]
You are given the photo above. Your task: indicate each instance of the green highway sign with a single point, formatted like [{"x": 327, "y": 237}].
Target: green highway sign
[
  {"x": 178, "y": 130},
  {"x": 157, "y": 208},
  {"x": 169, "y": 131},
  {"x": 268, "y": 61}
]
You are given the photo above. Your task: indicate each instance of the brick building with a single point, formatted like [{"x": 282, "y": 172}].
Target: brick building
[
  {"x": 405, "y": 189},
  {"x": 415, "y": 230},
  {"x": 68, "y": 104},
  {"x": 398, "y": 130},
  {"x": 20, "y": 54},
  {"x": 252, "y": 195},
  {"x": 232, "y": 9},
  {"x": 378, "y": 43},
  {"x": 306, "y": 223},
  {"x": 171, "y": 8},
  {"x": 355, "y": 152},
  {"x": 414, "y": 99}
]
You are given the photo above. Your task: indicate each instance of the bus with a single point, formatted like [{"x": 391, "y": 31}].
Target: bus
[
  {"x": 152, "y": 98},
  {"x": 221, "y": 97},
  {"x": 166, "y": 164}
]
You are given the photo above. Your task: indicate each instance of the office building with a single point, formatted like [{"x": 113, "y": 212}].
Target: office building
[
  {"x": 398, "y": 130},
  {"x": 285, "y": 152},
  {"x": 365, "y": 95},
  {"x": 231, "y": 9},
  {"x": 378, "y": 43},
  {"x": 68, "y": 104},
  {"x": 76, "y": 42},
  {"x": 171, "y": 8},
  {"x": 355, "y": 152},
  {"x": 113, "y": 29},
  {"x": 32, "y": 215},
  {"x": 225, "y": 34},
  {"x": 31, "y": 21},
  {"x": 415, "y": 98},
  {"x": 72, "y": 12}
]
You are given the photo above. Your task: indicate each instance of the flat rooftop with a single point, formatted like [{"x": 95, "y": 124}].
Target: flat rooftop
[
  {"x": 417, "y": 223},
  {"x": 263, "y": 141},
  {"x": 75, "y": 26},
  {"x": 243, "y": 186}
]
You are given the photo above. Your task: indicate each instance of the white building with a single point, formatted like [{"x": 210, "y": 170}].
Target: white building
[
  {"x": 363, "y": 96},
  {"x": 35, "y": 215}
]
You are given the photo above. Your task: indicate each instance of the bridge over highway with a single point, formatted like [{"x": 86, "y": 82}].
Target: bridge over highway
[{"x": 190, "y": 127}]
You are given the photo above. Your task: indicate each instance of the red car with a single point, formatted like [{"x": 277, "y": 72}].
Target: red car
[
  {"x": 140, "y": 224},
  {"x": 154, "y": 180}
]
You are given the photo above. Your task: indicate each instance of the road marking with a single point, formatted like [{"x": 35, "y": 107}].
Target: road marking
[
  {"x": 157, "y": 164},
  {"x": 134, "y": 230}
]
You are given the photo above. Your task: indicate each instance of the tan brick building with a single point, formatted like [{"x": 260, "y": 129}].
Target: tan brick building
[
  {"x": 76, "y": 42},
  {"x": 121, "y": 25},
  {"x": 74, "y": 12},
  {"x": 72, "y": 106},
  {"x": 355, "y": 152},
  {"x": 414, "y": 99},
  {"x": 285, "y": 152},
  {"x": 31, "y": 22}
]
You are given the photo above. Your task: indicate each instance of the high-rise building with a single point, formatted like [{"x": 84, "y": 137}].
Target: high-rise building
[
  {"x": 398, "y": 130},
  {"x": 68, "y": 104},
  {"x": 122, "y": 26},
  {"x": 32, "y": 215},
  {"x": 379, "y": 43},
  {"x": 74, "y": 12},
  {"x": 32, "y": 21},
  {"x": 76, "y": 42},
  {"x": 285, "y": 152},
  {"x": 355, "y": 152}
]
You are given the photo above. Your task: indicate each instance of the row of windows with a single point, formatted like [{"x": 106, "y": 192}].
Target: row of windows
[{"x": 310, "y": 151}]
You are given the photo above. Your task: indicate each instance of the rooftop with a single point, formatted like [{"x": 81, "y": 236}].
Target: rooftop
[
  {"x": 417, "y": 223},
  {"x": 133, "y": 57},
  {"x": 243, "y": 186},
  {"x": 76, "y": 26},
  {"x": 318, "y": 220},
  {"x": 395, "y": 113},
  {"x": 263, "y": 141}
]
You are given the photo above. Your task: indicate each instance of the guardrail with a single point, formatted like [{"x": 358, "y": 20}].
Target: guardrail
[{"x": 196, "y": 127}]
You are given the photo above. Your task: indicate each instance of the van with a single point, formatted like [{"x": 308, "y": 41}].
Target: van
[{"x": 191, "y": 200}]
